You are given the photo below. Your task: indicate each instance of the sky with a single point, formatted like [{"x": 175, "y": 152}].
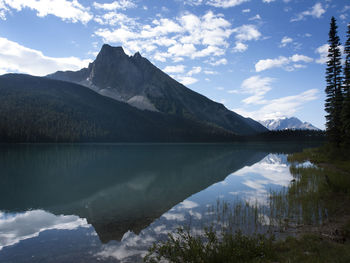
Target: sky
[{"x": 263, "y": 59}]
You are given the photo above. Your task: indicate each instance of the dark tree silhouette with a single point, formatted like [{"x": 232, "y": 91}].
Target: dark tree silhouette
[
  {"x": 346, "y": 90},
  {"x": 334, "y": 96}
]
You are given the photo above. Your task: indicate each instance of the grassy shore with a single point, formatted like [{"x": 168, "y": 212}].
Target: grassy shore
[{"x": 313, "y": 212}]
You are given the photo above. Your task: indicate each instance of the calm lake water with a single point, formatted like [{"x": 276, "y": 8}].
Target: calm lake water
[{"x": 110, "y": 202}]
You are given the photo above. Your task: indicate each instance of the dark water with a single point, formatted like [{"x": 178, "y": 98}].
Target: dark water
[{"x": 109, "y": 202}]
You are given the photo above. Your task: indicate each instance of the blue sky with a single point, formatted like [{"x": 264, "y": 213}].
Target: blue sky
[{"x": 261, "y": 58}]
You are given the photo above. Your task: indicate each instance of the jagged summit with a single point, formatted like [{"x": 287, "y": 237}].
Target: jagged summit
[
  {"x": 108, "y": 53},
  {"x": 137, "y": 55},
  {"x": 136, "y": 81},
  {"x": 110, "y": 50}
]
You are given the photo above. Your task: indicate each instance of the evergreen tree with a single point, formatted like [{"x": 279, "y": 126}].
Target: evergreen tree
[
  {"x": 334, "y": 96},
  {"x": 346, "y": 90}
]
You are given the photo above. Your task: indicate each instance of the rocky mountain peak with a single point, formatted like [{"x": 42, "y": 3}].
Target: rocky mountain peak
[
  {"x": 108, "y": 54},
  {"x": 137, "y": 55},
  {"x": 108, "y": 50}
]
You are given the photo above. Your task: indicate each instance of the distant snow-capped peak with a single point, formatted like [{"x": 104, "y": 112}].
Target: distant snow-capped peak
[{"x": 284, "y": 123}]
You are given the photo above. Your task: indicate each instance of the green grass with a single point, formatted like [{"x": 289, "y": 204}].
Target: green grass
[
  {"x": 311, "y": 248},
  {"x": 212, "y": 247}
]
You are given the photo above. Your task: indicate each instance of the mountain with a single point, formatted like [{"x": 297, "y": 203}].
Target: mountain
[
  {"x": 287, "y": 123},
  {"x": 36, "y": 109},
  {"x": 136, "y": 81}
]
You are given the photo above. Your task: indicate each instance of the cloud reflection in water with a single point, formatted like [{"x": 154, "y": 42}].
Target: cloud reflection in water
[{"x": 15, "y": 227}]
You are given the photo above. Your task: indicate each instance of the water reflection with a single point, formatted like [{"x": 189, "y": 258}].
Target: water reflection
[
  {"x": 129, "y": 195},
  {"x": 15, "y": 227},
  {"x": 250, "y": 184}
]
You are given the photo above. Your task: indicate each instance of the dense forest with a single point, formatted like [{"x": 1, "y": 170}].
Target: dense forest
[{"x": 35, "y": 109}]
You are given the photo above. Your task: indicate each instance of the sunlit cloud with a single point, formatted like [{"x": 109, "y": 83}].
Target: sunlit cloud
[
  {"x": 17, "y": 58},
  {"x": 257, "y": 86},
  {"x": 174, "y": 69},
  {"x": 285, "y": 41},
  {"x": 121, "y": 4},
  {"x": 316, "y": 12},
  {"x": 287, "y": 63},
  {"x": 71, "y": 11},
  {"x": 225, "y": 3}
]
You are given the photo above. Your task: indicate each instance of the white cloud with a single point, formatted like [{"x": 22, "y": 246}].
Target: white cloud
[
  {"x": 113, "y": 18},
  {"x": 246, "y": 33},
  {"x": 186, "y": 80},
  {"x": 343, "y": 16},
  {"x": 67, "y": 10},
  {"x": 258, "y": 87},
  {"x": 225, "y": 3},
  {"x": 257, "y": 17},
  {"x": 194, "y": 70},
  {"x": 120, "y": 35},
  {"x": 121, "y": 4},
  {"x": 300, "y": 58},
  {"x": 175, "y": 69},
  {"x": 265, "y": 64},
  {"x": 193, "y": 2},
  {"x": 285, "y": 41},
  {"x": 281, "y": 107},
  {"x": 268, "y": 1},
  {"x": 282, "y": 62},
  {"x": 316, "y": 12},
  {"x": 210, "y": 29},
  {"x": 240, "y": 47},
  {"x": 163, "y": 26},
  {"x": 210, "y": 72},
  {"x": 17, "y": 58},
  {"x": 3, "y": 10},
  {"x": 181, "y": 50},
  {"x": 246, "y": 10},
  {"x": 323, "y": 52},
  {"x": 222, "y": 61}
]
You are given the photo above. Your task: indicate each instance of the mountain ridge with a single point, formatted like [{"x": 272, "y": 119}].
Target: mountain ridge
[{"x": 136, "y": 81}]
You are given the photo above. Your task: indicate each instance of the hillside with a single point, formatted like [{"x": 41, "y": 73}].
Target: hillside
[{"x": 35, "y": 109}]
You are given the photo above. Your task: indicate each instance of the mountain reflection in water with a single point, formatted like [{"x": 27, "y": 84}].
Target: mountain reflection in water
[{"x": 128, "y": 193}]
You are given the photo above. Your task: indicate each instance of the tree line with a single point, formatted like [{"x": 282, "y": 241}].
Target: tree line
[{"x": 337, "y": 104}]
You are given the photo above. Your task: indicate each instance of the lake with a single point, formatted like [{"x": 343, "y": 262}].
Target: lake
[{"x": 110, "y": 202}]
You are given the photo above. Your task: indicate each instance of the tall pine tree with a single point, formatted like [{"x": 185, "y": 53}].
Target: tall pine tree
[
  {"x": 346, "y": 90},
  {"x": 334, "y": 96}
]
